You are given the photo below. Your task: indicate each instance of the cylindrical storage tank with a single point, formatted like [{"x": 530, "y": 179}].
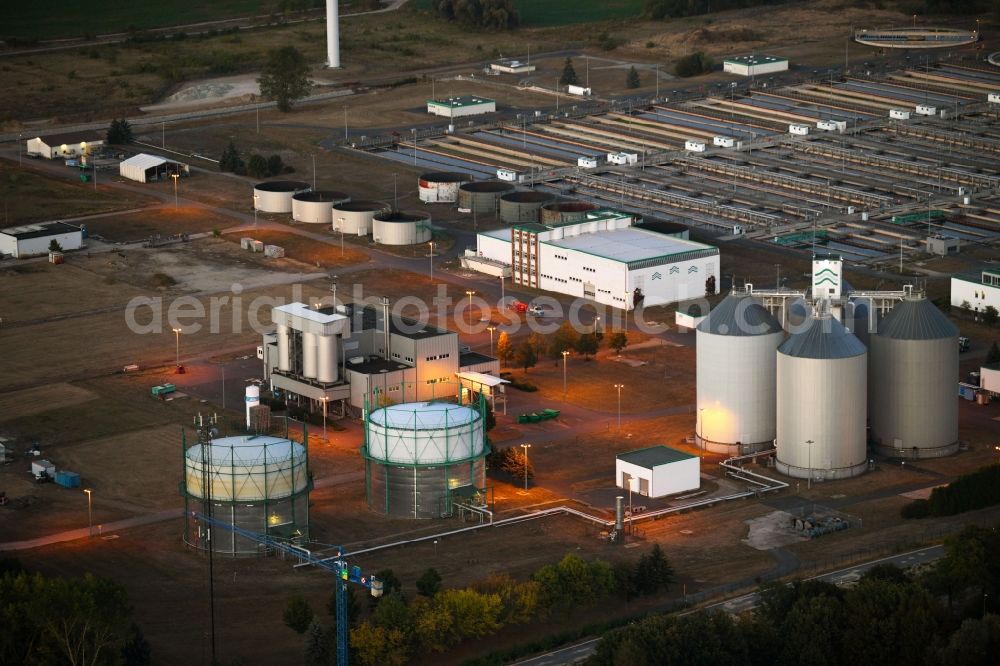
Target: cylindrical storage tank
[
  {"x": 565, "y": 211},
  {"x": 522, "y": 207},
  {"x": 313, "y": 207},
  {"x": 354, "y": 218},
  {"x": 913, "y": 411},
  {"x": 258, "y": 483},
  {"x": 736, "y": 361},
  {"x": 252, "y": 399},
  {"x": 275, "y": 196},
  {"x": 399, "y": 228},
  {"x": 309, "y": 355},
  {"x": 326, "y": 358},
  {"x": 821, "y": 398},
  {"x": 441, "y": 186},
  {"x": 482, "y": 197},
  {"x": 284, "y": 352},
  {"x": 418, "y": 454}
]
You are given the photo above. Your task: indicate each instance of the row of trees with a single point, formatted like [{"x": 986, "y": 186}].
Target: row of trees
[
  {"x": 66, "y": 621},
  {"x": 966, "y": 493},
  {"x": 484, "y": 14},
  {"x": 888, "y": 618},
  {"x": 664, "y": 9},
  {"x": 397, "y": 629},
  {"x": 990, "y": 314},
  {"x": 566, "y": 338}
]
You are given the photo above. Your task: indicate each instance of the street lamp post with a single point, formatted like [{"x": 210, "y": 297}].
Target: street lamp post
[
  {"x": 432, "y": 261},
  {"x": 470, "y": 293},
  {"x": 90, "y": 512},
  {"x": 255, "y": 198},
  {"x": 491, "y": 329},
  {"x": 619, "y": 387},
  {"x": 810, "y": 443},
  {"x": 340, "y": 225},
  {"x": 501, "y": 287},
  {"x": 565, "y": 355},
  {"x": 326, "y": 399},
  {"x": 413, "y": 131},
  {"x": 175, "y": 177},
  {"x": 597, "y": 325},
  {"x": 177, "y": 336},
  {"x": 526, "y": 447}
]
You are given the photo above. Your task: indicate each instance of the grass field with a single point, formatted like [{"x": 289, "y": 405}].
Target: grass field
[
  {"x": 60, "y": 18},
  {"x": 32, "y": 197},
  {"x": 564, "y": 12}
]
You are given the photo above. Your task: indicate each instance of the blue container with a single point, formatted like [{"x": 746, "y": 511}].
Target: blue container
[{"x": 68, "y": 479}]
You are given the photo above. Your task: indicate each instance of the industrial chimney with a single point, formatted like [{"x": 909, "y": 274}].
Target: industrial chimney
[{"x": 332, "y": 34}]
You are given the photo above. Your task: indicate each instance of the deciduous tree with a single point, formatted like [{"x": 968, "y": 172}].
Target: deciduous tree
[{"x": 285, "y": 77}]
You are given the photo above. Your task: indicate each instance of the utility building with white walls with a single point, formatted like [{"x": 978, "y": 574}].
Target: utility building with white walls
[
  {"x": 754, "y": 65},
  {"x": 72, "y": 144},
  {"x": 604, "y": 258},
  {"x": 33, "y": 240},
  {"x": 657, "y": 471},
  {"x": 456, "y": 107},
  {"x": 977, "y": 290},
  {"x": 346, "y": 354}
]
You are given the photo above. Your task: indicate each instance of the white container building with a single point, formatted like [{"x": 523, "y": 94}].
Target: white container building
[
  {"x": 275, "y": 196},
  {"x": 800, "y": 130},
  {"x": 822, "y": 382},
  {"x": 736, "y": 384},
  {"x": 626, "y": 159},
  {"x": 694, "y": 146},
  {"x": 71, "y": 144},
  {"x": 925, "y": 110},
  {"x": 601, "y": 257},
  {"x": 724, "y": 141},
  {"x": 913, "y": 411},
  {"x": 657, "y": 471},
  {"x": 458, "y": 107},
  {"x": 899, "y": 114},
  {"x": 754, "y": 65},
  {"x": 33, "y": 240},
  {"x": 586, "y": 162},
  {"x": 580, "y": 91}
]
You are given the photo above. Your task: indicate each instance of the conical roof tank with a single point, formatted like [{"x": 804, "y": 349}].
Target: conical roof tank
[
  {"x": 913, "y": 411},
  {"x": 735, "y": 376},
  {"x": 821, "y": 398}
]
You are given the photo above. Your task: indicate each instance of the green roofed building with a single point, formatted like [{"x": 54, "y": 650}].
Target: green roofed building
[
  {"x": 657, "y": 471},
  {"x": 466, "y": 105}
]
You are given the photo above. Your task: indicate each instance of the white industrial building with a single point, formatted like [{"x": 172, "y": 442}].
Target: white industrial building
[
  {"x": 754, "y": 65},
  {"x": 604, "y": 258},
  {"x": 511, "y": 66},
  {"x": 657, "y": 471},
  {"x": 456, "y": 107},
  {"x": 346, "y": 354},
  {"x": 33, "y": 240},
  {"x": 146, "y": 168},
  {"x": 979, "y": 290},
  {"x": 72, "y": 144}
]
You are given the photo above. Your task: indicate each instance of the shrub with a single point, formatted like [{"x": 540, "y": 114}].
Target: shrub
[{"x": 693, "y": 64}]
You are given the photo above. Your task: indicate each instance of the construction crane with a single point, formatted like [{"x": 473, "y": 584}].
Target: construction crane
[{"x": 337, "y": 565}]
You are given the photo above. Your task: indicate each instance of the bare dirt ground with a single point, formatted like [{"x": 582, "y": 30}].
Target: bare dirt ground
[{"x": 166, "y": 220}]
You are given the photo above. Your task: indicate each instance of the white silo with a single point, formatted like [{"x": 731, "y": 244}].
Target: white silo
[
  {"x": 421, "y": 456},
  {"x": 736, "y": 360},
  {"x": 821, "y": 402},
  {"x": 913, "y": 411}
]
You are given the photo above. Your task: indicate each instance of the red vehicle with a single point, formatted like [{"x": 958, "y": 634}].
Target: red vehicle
[{"x": 518, "y": 306}]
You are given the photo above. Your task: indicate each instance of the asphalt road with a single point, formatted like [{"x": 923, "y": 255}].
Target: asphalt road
[{"x": 577, "y": 652}]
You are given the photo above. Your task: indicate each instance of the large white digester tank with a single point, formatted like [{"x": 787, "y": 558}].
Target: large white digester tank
[
  {"x": 913, "y": 409},
  {"x": 736, "y": 376},
  {"x": 417, "y": 453},
  {"x": 821, "y": 402},
  {"x": 260, "y": 483}
]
